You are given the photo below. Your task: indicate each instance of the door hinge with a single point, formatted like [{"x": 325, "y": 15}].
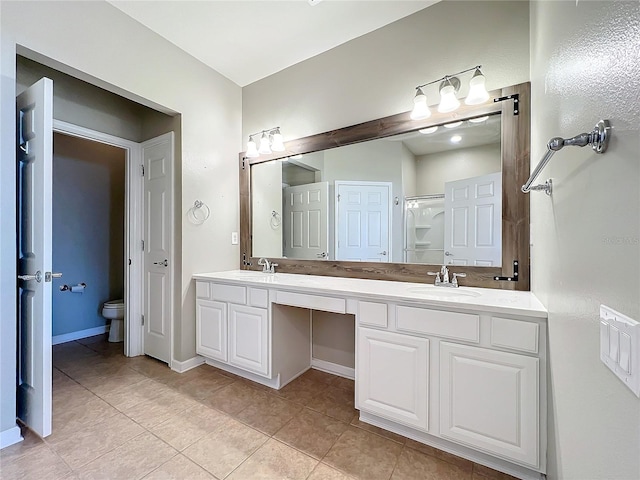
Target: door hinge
[
  {"x": 338, "y": 197},
  {"x": 142, "y": 170},
  {"x": 142, "y": 319},
  {"x": 143, "y": 245}
]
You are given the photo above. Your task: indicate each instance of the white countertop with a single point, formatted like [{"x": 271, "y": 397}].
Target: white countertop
[{"x": 463, "y": 298}]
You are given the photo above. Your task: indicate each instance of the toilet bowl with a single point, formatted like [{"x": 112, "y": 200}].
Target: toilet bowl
[{"x": 114, "y": 311}]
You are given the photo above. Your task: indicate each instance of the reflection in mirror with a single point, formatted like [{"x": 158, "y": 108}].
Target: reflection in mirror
[{"x": 432, "y": 196}]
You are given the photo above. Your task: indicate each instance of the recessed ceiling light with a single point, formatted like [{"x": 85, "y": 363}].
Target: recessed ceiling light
[
  {"x": 453, "y": 124},
  {"x": 427, "y": 131},
  {"x": 456, "y": 139},
  {"x": 479, "y": 119}
]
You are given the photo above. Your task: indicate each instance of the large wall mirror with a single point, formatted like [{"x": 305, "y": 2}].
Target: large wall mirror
[{"x": 395, "y": 198}]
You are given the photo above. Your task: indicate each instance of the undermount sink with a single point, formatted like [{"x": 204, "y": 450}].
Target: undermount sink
[{"x": 442, "y": 292}]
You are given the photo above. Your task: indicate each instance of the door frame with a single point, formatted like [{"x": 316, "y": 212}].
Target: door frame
[
  {"x": 389, "y": 185},
  {"x": 134, "y": 228}
]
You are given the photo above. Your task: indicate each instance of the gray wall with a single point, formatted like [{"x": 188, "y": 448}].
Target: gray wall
[
  {"x": 433, "y": 170},
  {"x": 88, "y": 230},
  {"x": 585, "y": 65}
]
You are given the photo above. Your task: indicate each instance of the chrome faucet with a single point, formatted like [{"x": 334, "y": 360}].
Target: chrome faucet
[
  {"x": 444, "y": 281},
  {"x": 267, "y": 266}
]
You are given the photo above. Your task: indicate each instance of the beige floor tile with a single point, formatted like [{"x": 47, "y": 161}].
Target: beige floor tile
[
  {"x": 30, "y": 442},
  {"x": 151, "y": 368},
  {"x": 480, "y": 472},
  {"x": 96, "y": 366},
  {"x": 318, "y": 376},
  {"x": 364, "y": 455},
  {"x": 275, "y": 461},
  {"x": 301, "y": 390},
  {"x": 106, "y": 384},
  {"x": 89, "y": 443},
  {"x": 179, "y": 468},
  {"x": 344, "y": 383},
  {"x": 232, "y": 399},
  {"x": 160, "y": 409},
  {"x": 39, "y": 463},
  {"x": 68, "y": 420},
  {"x": 434, "y": 452},
  {"x": 187, "y": 428},
  {"x": 413, "y": 465},
  {"x": 203, "y": 386},
  {"x": 131, "y": 460},
  {"x": 311, "y": 432},
  {"x": 334, "y": 402},
  {"x": 377, "y": 430},
  {"x": 325, "y": 472},
  {"x": 70, "y": 395},
  {"x": 129, "y": 396},
  {"x": 223, "y": 450},
  {"x": 268, "y": 413}
]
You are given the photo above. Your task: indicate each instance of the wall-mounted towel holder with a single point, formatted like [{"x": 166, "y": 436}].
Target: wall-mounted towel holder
[
  {"x": 598, "y": 139},
  {"x": 198, "y": 213},
  {"x": 79, "y": 288}
]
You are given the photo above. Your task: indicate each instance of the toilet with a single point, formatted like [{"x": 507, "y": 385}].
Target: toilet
[{"x": 114, "y": 311}]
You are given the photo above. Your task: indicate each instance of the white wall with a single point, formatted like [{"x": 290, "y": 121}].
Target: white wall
[
  {"x": 432, "y": 171},
  {"x": 585, "y": 65},
  {"x": 98, "y": 43}
]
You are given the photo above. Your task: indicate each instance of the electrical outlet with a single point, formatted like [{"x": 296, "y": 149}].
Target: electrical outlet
[
  {"x": 234, "y": 238},
  {"x": 620, "y": 346}
]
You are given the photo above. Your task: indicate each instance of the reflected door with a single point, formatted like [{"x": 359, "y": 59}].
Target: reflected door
[
  {"x": 363, "y": 218},
  {"x": 35, "y": 156},
  {"x": 306, "y": 223},
  {"x": 473, "y": 221}
]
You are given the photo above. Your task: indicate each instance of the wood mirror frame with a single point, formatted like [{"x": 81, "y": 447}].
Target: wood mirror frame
[{"x": 515, "y": 148}]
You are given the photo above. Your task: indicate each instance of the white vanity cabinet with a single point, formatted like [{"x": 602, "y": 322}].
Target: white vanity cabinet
[{"x": 233, "y": 326}]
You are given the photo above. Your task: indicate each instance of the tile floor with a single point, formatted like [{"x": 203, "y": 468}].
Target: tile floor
[{"x": 131, "y": 418}]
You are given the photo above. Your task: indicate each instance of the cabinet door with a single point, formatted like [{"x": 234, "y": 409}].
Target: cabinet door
[
  {"x": 489, "y": 401},
  {"x": 249, "y": 338},
  {"x": 211, "y": 329},
  {"x": 392, "y": 376}
]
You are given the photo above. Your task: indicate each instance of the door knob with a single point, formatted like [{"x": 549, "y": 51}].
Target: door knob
[
  {"x": 383, "y": 253},
  {"x": 448, "y": 254},
  {"x": 37, "y": 277},
  {"x": 164, "y": 263},
  {"x": 48, "y": 276},
  {"x": 322, "y": 255}
]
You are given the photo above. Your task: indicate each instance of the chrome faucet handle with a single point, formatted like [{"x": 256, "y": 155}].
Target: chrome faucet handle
[
  {"x": 266, "y": 265},
  {"x": 444, "y": 271},
  {"x": 454, "y": 280},
  {"x": 437, "y": 275},
  {"x": 272, "y": 269}
]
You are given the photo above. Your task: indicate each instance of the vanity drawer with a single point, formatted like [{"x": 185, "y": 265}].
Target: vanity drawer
[
  {"x": 373, "y": 314},
  {"x": 229, "y": 293},
  {"x": 314, "y": 302},
  {"x": 203, "y": 290},
  {"x": 514, "y": 334},
  {"x": 258, "y": 297},
  {"x": 460, "y": 326}
]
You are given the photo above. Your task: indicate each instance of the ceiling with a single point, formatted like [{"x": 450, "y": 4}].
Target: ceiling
[{"x": 249, "y": 40}]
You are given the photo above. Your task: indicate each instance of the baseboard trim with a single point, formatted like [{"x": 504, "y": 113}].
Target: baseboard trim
[
  {"x": 182, "y": 367},
  {"x": 10, "y": 436},
  {"x": 340, "y": 370},
  {"x": 70, "y": 337}
]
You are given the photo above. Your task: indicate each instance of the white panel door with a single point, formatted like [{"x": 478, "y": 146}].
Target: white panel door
[
  {"x": 306, "y": 221},
  {"x": 158, "y": 246},
  {"x": 473, "y": 221},
  {"x": 34, "y": 169},
  {"x": 489, "y": 401},
  {"x": 211, "y": 329},
  {"x": 392, "y": 377},
  {"x": 249, "y": 338},
  {"x": 363, "y": 219}
]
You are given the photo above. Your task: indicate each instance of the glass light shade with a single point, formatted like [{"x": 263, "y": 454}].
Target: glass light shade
[
  {"x": 264, "y": 149},
  {"x": 427, "y": 131},
  {"x": 453, "y": 124},
  {"x": 477, "y": 91},
  {"x": 277, "y": 145},
  {"x": 420, "y": 108},
  {"x": 456, "y": 139},
  {"x": 479, "y": 119},
  {"x": 252, "y": 151},
  {"x": 448, "y": 100}
]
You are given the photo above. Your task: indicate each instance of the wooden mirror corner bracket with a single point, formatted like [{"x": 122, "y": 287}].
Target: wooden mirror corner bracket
[{"x": 515, "y": 148}]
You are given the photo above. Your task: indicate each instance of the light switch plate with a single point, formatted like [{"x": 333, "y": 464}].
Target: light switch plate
[
  {"x": 620, "y": 346},
  {"x": 234, "y": 238}
]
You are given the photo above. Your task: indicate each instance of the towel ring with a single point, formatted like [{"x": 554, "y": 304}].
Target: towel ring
[
  {"x": 199, "y": 213},
  {"x": 275, "y": 220}
]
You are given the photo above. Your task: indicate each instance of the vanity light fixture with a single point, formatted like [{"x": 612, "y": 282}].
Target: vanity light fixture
[
  {"x": 449, "y": 87},
  {"x": 456, "y": 139},
  {"x": 453, "y": 124},
  {"x": 427, "y": 131},
  {"x": 270, "y": 141}
]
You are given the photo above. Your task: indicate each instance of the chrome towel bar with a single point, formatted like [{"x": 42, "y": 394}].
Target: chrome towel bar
[{"x": 598, "y": 139}]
